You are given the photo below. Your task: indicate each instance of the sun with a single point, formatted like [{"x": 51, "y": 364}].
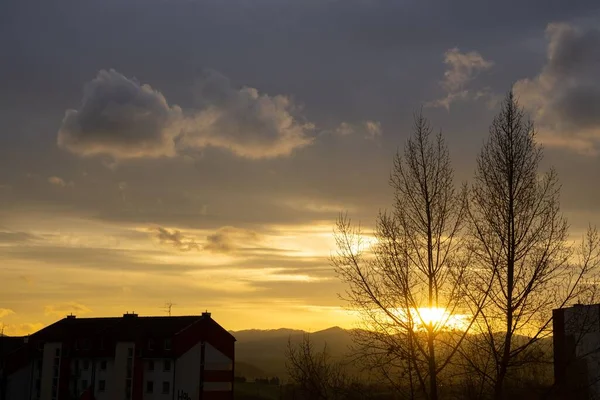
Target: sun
[{"x": 440, "y": 318}]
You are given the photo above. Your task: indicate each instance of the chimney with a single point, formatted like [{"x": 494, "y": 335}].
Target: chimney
[
  {"x": 206, "y": 314},
  {"x": 132, "y": 315},
  {"x": 71, "y": 316}
]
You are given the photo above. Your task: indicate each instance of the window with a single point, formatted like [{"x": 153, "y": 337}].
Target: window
[
  {"x": 84, "y": 384},
  {"x": 149, "y": 386},
  {"x": 130, "y": 352},
  {"x": 103, "y": 365},
  {"x": 86, "y": 344},
  {"x": 86, "y": 364},
  {"x": 167, "y": 365},
  {"x": 57, "y": 352},
  {"x": 150, "y": 365},
  {"x": 150, "y": 344},
  {"x": 168, "y": 344},
  {"x": 102, "y": 385},
  {"x": 101, "y": 345},
  {"x": 166, "y": 387}
]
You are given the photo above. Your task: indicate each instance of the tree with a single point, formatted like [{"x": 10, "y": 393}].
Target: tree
[
  {"x": 409, "y": 285},
  {"x": 520, "y": 243},
  {"x": 315, "y": 374}
]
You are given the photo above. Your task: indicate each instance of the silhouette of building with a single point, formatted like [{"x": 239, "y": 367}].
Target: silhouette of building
[
  {"x": 576, "y": 341},
  {"x": 122, "y": 358}
]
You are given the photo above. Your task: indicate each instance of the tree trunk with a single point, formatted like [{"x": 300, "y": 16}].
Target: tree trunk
[
  {"x": 433, "y": 387},
  {"x": 510, "y": 258}
]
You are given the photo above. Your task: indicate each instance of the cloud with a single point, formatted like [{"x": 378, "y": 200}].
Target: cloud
[
  {"x": 63, "y": 309},
  {"x": 229, "y": 239},
  {"x": 175, "y": 238},
  {"x": 248, "y": 123},
  {"x": 57, "y": 181},
  {"x": 564, "y": 98},
  {"x": 122, "y": 118},
  {"x": 4, "y": 312},
  {"x": 22, "y": 329},
  {"x": 373, "y": 129},
  {"x": 462, "y": 69},
  {"x": 16, "y": 237},
  {"x": 369, "y": 129}
]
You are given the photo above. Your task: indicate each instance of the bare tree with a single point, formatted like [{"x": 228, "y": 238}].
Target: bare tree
[
  {"x": 408, "y": 285},
  {"x": 315, "y": 374},
  {"x": 520, "y": 242}
]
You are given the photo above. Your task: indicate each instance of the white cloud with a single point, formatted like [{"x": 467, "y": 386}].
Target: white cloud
[
  {"x": 462, "y": 68},
  {"x": 564, "y": 98}
]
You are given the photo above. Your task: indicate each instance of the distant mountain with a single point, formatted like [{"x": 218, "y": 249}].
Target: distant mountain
[
  {"x": 249, "y": 335},
  {"x": 264, "y": 350}
]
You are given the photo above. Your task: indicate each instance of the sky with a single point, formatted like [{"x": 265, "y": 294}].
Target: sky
[{"x": 198, "y": 152}]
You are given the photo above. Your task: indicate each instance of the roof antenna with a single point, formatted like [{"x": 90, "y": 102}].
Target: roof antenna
[{"x": 168, "y": 306}]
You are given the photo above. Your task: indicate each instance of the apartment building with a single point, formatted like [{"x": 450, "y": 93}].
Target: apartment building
[
  {"x": 576, "y": 341},
  {"x": 124, "y": 358}
]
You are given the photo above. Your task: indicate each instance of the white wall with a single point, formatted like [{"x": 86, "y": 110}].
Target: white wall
[
  {"x": 158, "y": 376},
  {"x": 107, "y": 375},
  {"x": 583, "y": 323},
  {"x": 48, "y": 364},
  {"x": 187, "y": 372},
  {"x": 117, "y": 388},
  {"x": 19, "y": 385},
  {"x": 214, "y": 360}
]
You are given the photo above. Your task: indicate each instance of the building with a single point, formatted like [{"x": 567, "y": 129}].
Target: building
[
  {"x": 122, "y": 358},
  {"x": 576, "y": 341}
]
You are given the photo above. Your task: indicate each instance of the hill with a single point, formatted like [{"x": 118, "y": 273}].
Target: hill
[{"x": 264, "y": 350}]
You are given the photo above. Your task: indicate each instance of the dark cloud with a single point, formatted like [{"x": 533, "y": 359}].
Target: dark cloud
[
  {"x": 121, "y": 118},
  {"x": 229, "y": 239},
  {"x": 175, "y": 238},
  {"x": 564, "y": 97},
  {"x": 246, "y": 122},
  {"x": 16, "y": 237}
]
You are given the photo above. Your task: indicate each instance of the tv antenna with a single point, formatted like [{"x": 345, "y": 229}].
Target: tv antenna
[{"x": 168, "y": 306}]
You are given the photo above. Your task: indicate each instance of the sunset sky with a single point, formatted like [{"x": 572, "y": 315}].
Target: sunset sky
[{"x": 199, "y": 151}]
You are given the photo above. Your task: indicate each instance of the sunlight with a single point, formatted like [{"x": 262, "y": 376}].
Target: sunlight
[{"x": 438, "y": 316}]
